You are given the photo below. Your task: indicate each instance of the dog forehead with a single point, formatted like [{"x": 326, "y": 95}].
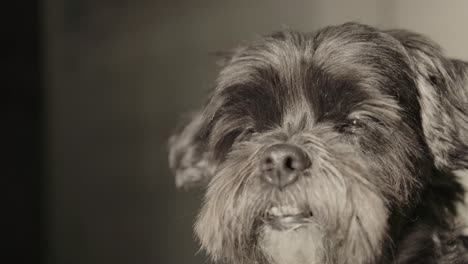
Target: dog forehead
[
  {"x": 301, "y": 74},
  {"x": 347, "y": 49}
]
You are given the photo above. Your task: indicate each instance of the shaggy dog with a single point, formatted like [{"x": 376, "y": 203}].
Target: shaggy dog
[{"x": 333, "y": 147}]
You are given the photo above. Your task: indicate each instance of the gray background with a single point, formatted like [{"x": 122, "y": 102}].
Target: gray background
[{"x": 118, "y": 75}]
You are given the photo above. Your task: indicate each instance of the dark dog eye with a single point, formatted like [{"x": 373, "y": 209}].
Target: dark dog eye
[
  {"x": 355, "y": 124},
  {"x": 359, "y": 123},
  {"x": 351, "y": 125}
]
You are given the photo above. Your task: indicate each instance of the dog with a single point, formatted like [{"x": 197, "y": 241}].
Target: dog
[{"x": 339, "y": 146}]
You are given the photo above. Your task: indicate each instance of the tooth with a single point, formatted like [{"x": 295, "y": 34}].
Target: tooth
[
  {"x": 281, "y": 211},
  {"x": 290, "y": 210},
  {"x": 275, "y": 211}
]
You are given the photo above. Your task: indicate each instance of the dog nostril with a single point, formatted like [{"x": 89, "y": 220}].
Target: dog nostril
[
  {"x": 288, "y": 163},
  {"x": 268, "y": 164}
]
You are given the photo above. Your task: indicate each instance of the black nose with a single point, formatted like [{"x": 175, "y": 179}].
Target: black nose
[{"x": 282, "y": 163}]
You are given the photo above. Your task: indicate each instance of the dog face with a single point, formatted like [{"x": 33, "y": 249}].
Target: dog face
[{"x": 310, "y": 143}]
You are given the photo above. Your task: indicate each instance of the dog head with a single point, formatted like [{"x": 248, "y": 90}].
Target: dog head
[{"x": 310, "y": 142}]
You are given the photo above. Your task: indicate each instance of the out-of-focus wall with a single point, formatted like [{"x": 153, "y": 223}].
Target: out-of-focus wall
[
  {"x": 446, "y": 22},
  {"x": 119, "y": 74}
]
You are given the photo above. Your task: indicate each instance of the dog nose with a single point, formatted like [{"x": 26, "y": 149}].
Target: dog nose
[{"x": 282, "y": 163}]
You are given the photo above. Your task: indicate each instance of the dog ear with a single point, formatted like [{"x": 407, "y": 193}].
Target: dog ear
[
  {"x": 443, "y": 97},
  {"x": 189, "y": 157}
]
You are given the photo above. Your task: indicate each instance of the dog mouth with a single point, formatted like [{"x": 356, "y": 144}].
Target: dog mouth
[{"x": 287, "y": 217}]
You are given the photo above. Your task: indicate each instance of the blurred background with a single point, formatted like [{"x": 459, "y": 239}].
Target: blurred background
[{"x": 114, "y": 77}]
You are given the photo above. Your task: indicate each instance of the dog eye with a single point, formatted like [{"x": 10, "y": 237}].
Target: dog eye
[
  {"x": 359, "y": 123},
  {"x": 355, "y": 124},
  {"x": 351, "y": 125}
]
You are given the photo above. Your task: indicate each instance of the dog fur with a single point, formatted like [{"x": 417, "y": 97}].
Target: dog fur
[{"x": 383, "y": 117}]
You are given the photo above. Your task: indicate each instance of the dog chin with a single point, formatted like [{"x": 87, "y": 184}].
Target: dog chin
[{"x": 290, "y": 236}]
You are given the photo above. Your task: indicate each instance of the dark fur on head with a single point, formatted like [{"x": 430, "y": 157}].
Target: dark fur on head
[{"x": 382, "y": 116}]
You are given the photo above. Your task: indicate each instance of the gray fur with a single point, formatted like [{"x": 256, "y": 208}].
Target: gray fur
[
  {"x": 377, "y": 112},
  {"x": 444, "y": 99}
]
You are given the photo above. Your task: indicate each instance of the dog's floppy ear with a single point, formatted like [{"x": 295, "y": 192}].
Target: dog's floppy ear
[
  {"x": 443, "y": 97},
  {"x": 189, "y": 157}
]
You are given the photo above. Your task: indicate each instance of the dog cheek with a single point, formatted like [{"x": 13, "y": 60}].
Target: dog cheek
[
  {"x": 232, "y": 204},
  {"x": 209, "y": 231},
  {"x": 356, "y": 219},
  {"x": 212, "y": 225},
  {"x": 368, "y": 226},
  {"x": 225, "y": 225},
  {"x": 351, "y": 207}
]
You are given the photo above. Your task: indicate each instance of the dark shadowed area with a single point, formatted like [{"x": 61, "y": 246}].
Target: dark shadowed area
[{"x": 118, "y": 75}]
